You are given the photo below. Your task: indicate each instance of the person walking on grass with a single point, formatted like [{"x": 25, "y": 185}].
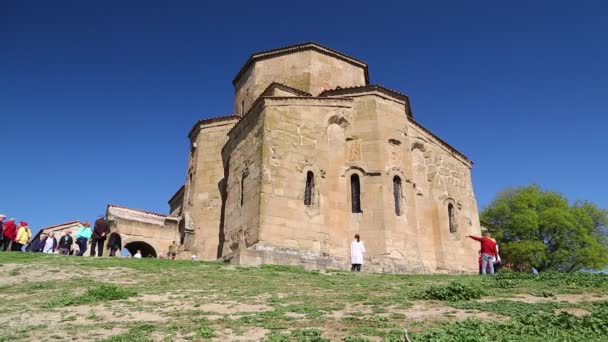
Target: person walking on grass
[
  {"x": 173, "y": 250},
  {"x": 82, "y": 237},
  {"x": 98, "y": 238},
  {"x": 8, "y": 234},
  {"x": 49, "y": 244},
  {"x": 488, "y": 251},
  {"x": 357, "y": 251},
  {"x": 23, "y": 236},
  {"x": 65, "y": 243}
]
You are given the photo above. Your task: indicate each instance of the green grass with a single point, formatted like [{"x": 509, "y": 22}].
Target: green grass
[
  {"x": 99, "y": 293},
  {"x": 116, "y": 299}
]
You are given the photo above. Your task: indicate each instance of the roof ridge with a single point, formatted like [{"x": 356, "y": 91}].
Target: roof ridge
[
  {"x": 60, "y": 224},
  {"x": 213, "y": 119},
  {"x": 279, "y": 84},
  {"x": 302, "y": 46},
  {"x": 138, "y": 210},
  {"x": 372, "y": 86}
]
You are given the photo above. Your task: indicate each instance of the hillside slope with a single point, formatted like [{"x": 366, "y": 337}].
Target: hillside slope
[{"x": 55, "y": 298}]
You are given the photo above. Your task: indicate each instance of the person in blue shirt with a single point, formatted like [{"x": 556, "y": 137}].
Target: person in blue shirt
[{"x": 82, "y": 237}]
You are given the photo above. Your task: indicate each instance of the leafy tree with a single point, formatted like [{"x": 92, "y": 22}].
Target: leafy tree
[{"x": 540, "y": 228}]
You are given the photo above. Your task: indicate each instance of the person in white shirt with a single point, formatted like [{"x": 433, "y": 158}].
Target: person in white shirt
[
  {"x": 50, "y": 244},
  {"x": 138, "y": 254},
  {"x": 357, "y": 250}
]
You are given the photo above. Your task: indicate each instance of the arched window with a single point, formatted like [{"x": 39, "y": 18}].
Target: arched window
[
  {"x": 310, "y": 187},
  {"x": 397, "y": 195},
  {"x": 452, "y": 218},
  {"x": 355, "y": 193}
]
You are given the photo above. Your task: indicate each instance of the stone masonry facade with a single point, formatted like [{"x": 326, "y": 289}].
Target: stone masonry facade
[{"x": 314, "y": 154}]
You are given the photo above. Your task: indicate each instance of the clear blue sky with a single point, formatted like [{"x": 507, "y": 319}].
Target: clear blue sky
[{"x": 97, "y": 97}]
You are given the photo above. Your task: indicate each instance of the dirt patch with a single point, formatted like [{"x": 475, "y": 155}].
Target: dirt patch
[
  {"x": 573, "y": 311},
  {"x": 430, "y": 311},
  {"x": 89, "y": 334},
  {"x": 294, "y": 315},
  {"x": 31, "y": 273},
  {"x": 567, "y": 298},
  {"x": 255, "y": 334},
  {"x": 350, "y": 310},
  {"x": 233, "y": 307}
]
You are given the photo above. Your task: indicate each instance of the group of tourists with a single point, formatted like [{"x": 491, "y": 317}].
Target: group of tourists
[{"x": 13, "y": 237}]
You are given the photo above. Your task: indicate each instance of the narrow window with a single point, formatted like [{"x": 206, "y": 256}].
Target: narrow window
[
  {"x": 243, "y": 108},
  {"x": 355, "y": 193},
  {"x": 452, "y": 220},
  {"x": 242, "y": 189},
  {"x": 397, "y": 194},
  {"x": 308, "y": 191}
]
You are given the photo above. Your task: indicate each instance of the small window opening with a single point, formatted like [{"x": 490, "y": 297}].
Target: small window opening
[
  {"x": 355, "y": 192},
  {"x": 243, "y": 188},
  {"x": 243, "y": 108},
  {"x": 309, "y": 190},
  {"x": 452, "y": 218},
  {"x": 397, "y": 195}
]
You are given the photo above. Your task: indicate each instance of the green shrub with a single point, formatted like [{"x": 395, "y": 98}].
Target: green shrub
[
  {"x": 99, "y": 293},
  {"x": 205, "y": 332},
  {"x": 537, "y": 326},
  {"x": 138, "y": 333},
  {"x": 277, "y": 337},
  {"x": 308, "y": 335},
  {"x": 454, "y": 291}
]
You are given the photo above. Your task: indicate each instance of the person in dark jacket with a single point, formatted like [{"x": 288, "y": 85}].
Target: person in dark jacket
[
  {"x": 65, "y": 243},
  {"x": 100, "y": 232},
  {"x": 114, "y": 243},
  {"x": 37, "y": 243}
]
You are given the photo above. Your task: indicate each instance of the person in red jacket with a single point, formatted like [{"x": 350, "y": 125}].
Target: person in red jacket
[
  {"x": 9, "y": 233},
  {"x": 488, "y": 251}
]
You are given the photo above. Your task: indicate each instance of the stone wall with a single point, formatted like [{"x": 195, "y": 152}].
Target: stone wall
[
  {"x": 156, "y": 230},
  {"x": 242, "y": 158},
  {"x": 309, "y": 71},
  {"x": 448, "y": 180},
  {"x": 297, "y": 141},
  {"x": 204, "y": 190},
  {"x": 367, "y": 135}
]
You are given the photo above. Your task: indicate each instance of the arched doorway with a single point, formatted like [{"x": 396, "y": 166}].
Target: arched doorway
[{"x": 145, "y": 248}]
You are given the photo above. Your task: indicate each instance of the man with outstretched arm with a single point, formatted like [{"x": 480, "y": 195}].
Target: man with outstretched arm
[{"x": 488, "y": 251}]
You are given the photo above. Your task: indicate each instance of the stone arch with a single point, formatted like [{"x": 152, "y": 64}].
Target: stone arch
[
  {"x": 451, "y": 208},
  {"x": 355, "y": 184},
  {"x": 420, "y": 169},
  {"x": 338, "y": 120},
  {"x": 146, "y": 249},
  {"x": 311, "y": 180},
  {"x": 420, "y": 145}
]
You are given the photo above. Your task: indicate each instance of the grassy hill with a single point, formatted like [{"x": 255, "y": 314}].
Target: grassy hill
[{"x": 55, "y": 298}]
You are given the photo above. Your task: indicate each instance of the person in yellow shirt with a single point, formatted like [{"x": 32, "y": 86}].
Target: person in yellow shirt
[{"x": 23, "y": 236}]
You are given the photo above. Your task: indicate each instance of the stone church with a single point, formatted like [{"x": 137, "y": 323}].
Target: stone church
[{"x": 315, "y": 154}]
